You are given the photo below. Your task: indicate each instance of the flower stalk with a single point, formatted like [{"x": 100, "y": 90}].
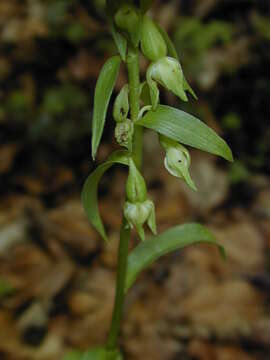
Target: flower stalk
[{"x": 137, "y": 149}]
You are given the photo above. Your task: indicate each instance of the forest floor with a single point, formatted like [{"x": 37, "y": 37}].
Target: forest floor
[{"x": 57, "y": 277}]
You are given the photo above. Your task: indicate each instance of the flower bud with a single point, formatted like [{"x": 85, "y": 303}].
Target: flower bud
[
  {"x": 124, "y": 132},
  {"x": 167, "y": 72},
  {"x": 138, "y": 213},
  {"x": 152, "y": 43},
  {"x": 177, "y": 160},
  {"x": 136, "y": 187},
  {"x": 121, "y": 105},
  {"x": 128, "y": 19}
]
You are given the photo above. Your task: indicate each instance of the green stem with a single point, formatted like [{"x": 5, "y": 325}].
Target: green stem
[
  {"x": 121, "y": 277},
  {"x": 134, "y": 100}
]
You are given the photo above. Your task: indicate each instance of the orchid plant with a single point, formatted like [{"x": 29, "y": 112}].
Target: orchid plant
[{"x": 136, "y": 107}]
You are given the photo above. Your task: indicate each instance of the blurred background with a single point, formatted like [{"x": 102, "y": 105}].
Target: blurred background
[{"x": 56, "y": 275}]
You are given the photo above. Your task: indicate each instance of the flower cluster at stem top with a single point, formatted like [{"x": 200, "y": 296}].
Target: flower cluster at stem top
[{"x": 141, "y": 31}]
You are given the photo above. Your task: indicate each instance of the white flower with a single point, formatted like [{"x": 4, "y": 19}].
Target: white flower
[
  {"x": 139, "y": 213},
  {"x": 177, "y": 160},
  {"x": 167, "y": 72}
]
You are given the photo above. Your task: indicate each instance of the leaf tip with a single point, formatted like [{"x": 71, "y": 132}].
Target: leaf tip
[
  {"x": 103, "y": 234},
  {"x": 227, "y": 152},
  {"x": 222, "y": 252},
  {"x": 231, "y": 159},
  {"x": 93, "y": 153},
  {"x": 229, "y": 155}
]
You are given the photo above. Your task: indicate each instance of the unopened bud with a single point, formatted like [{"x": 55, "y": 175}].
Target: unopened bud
[
  {"x": 121, "y": 105},
  {"x": 128, "y": 19},
  {"x": 152, "y": 43},
  {"x": 136, "y": 188},
  {"x": 167, "y": 72},
  {"x": 177, "y": 160}
]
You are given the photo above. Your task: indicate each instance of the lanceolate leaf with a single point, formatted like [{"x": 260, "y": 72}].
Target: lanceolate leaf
[
  {"x": 186, "y": 129},
  {"x": 103, "y": 92},
  {"x": 90, "y": 190},
  {"x": 175, "y": 238}
]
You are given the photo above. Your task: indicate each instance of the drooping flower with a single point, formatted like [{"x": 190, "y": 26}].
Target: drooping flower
[
  {"x": 139, "y": 213},
  {"x": 167, "y": 72},
  {"x": 177, "y": 160}
]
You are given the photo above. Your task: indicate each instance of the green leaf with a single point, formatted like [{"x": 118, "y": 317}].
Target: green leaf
[
  {"x": 175, "y": 238},
  {"x": 186, "y": 129},
  {"x": 98, "y": 353},
  {"x": 103, "y": 92},
  {"x": 90, "y": 189}
]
